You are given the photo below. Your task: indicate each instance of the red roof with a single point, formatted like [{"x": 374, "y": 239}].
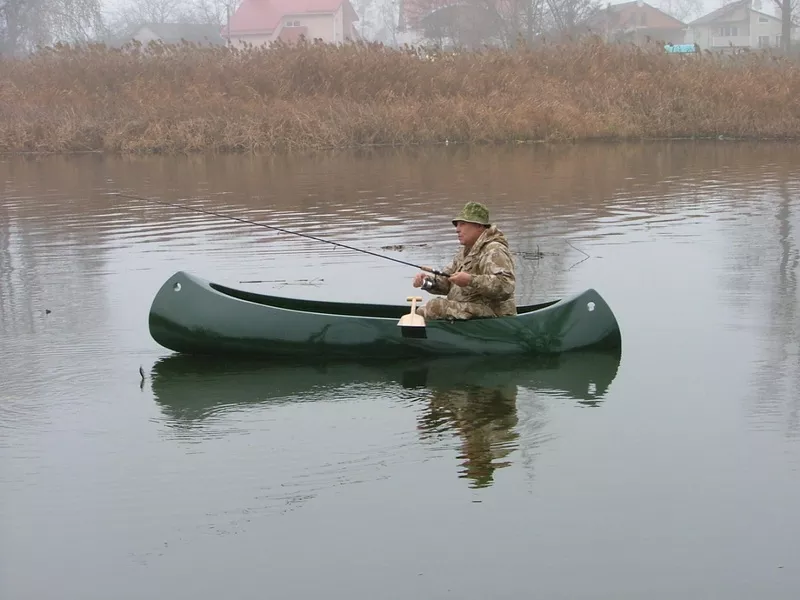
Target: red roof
[{"x": 263, "y": 16}]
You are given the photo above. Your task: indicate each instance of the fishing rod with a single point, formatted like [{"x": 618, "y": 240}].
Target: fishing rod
[{"x": 281, "y": 229}]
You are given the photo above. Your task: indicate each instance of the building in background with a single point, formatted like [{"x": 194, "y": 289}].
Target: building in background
[
  {"x": 636, "y": 22},
  {"x": 261, "y": 22},
  {"x": 735, "y": 26},
  {"x": 171, "y": 33}
]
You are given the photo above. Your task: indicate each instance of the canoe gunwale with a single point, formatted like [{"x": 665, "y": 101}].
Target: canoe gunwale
[{"x": 345, "y": 309}]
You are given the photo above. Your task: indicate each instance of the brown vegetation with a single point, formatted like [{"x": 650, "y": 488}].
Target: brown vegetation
[{"x": 192, "y": 99}]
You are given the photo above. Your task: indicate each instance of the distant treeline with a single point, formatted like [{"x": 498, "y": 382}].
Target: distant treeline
[{"x": 187, "y": 98}]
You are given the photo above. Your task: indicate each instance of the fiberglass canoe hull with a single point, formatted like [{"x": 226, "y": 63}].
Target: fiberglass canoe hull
[{"x": 195, "y": 316}]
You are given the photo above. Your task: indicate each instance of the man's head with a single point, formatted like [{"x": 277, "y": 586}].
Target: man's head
[{"x": 471, "y": 222}]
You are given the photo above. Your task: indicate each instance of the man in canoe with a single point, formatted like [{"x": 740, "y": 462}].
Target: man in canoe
[{"x": 480, "y": 280}]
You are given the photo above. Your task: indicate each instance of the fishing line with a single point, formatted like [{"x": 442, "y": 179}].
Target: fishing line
[{"x": 281, "y": 229}]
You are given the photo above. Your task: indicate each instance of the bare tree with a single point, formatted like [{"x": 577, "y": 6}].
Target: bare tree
[
  {"x": 205, "y": 12},
  {"x": 567, "y": 14},
  {"x": 135, "y": 14},
  {"x": 527, "y": 19},
  {"x": 788, "y": 12},
  {"x": 468, "y": 23},
  {"x": 26, "y": 24},
  {"x": 471, "y": 23},
  {"x": 683, "y": 10},
  {"x": 212, "y": 12},
  {"x": 365, "y": 11}
]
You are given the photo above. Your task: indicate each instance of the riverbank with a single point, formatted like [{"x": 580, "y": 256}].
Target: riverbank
[{"x": 190, "y": 99}]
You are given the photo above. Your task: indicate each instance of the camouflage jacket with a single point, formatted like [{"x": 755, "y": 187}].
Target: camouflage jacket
[{"x": 493, "y": 276}]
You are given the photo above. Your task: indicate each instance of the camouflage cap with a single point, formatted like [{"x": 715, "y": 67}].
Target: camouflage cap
[{"x": 473, "y": 212}]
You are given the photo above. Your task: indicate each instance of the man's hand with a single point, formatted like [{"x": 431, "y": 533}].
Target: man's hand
[
  {"x": 419, "y": 278},
  {"x": 461, "y": 278}
]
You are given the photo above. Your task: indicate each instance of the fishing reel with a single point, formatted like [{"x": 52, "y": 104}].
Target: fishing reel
[{"x": 427, "y": 284}]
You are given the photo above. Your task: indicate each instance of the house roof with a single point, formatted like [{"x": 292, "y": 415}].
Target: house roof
[
  {"x": 173, "y": 33},
  {"x": 716, "y": 15},
  {"x": 263, "y": 16},
  {"x": 616, "y": 9}
]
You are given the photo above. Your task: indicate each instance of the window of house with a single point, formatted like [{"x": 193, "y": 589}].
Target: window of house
[
  {"x": 643, "y": 19},
  {"x": 778, "y": 39},
  {"x": 763, "y": 20},
  {"x": 729, "y": 31},
  {"x": 763, "y": 41},
  {"x": 292, "y": 24}
]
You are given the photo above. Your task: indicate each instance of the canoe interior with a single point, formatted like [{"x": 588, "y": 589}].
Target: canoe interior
[{"x": 387, "y": 311}]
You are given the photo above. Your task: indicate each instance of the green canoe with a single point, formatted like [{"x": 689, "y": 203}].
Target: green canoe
[{"x": 195, "y": 316}]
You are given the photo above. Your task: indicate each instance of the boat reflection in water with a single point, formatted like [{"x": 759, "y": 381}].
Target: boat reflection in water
[{"x": 475, "y": 398}]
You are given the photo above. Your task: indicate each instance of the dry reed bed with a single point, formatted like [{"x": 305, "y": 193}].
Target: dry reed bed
[{"x": 192, "y": 99}]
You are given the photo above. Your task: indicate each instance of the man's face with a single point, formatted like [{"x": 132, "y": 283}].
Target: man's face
[{"x": 468, "y": 233}]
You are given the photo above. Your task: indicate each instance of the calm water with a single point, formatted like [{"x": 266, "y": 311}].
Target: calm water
[{"x": 672, "y": 471}]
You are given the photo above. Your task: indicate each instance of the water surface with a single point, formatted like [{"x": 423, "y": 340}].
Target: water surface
[{"x": 670, "y": 471}]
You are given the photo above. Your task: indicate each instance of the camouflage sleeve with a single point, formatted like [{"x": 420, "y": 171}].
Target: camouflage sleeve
[
  {"x": 441, "y": 285},
  {"x": 496, "y": 279}
]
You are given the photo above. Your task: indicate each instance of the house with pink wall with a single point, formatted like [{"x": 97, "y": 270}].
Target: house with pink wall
[{"x": 261, "y": 22}]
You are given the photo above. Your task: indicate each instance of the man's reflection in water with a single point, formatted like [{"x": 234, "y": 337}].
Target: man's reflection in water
[{"x": 484, "y": 418}]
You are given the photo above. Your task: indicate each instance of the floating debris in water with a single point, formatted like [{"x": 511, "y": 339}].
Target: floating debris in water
[
  {"x": 401, "y": 247},
  {"x": 536, "y": 255},
  {"x": 282, "y": 282}
]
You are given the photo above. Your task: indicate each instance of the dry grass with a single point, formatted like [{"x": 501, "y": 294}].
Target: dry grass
[{"x": 192, "y": 99}]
